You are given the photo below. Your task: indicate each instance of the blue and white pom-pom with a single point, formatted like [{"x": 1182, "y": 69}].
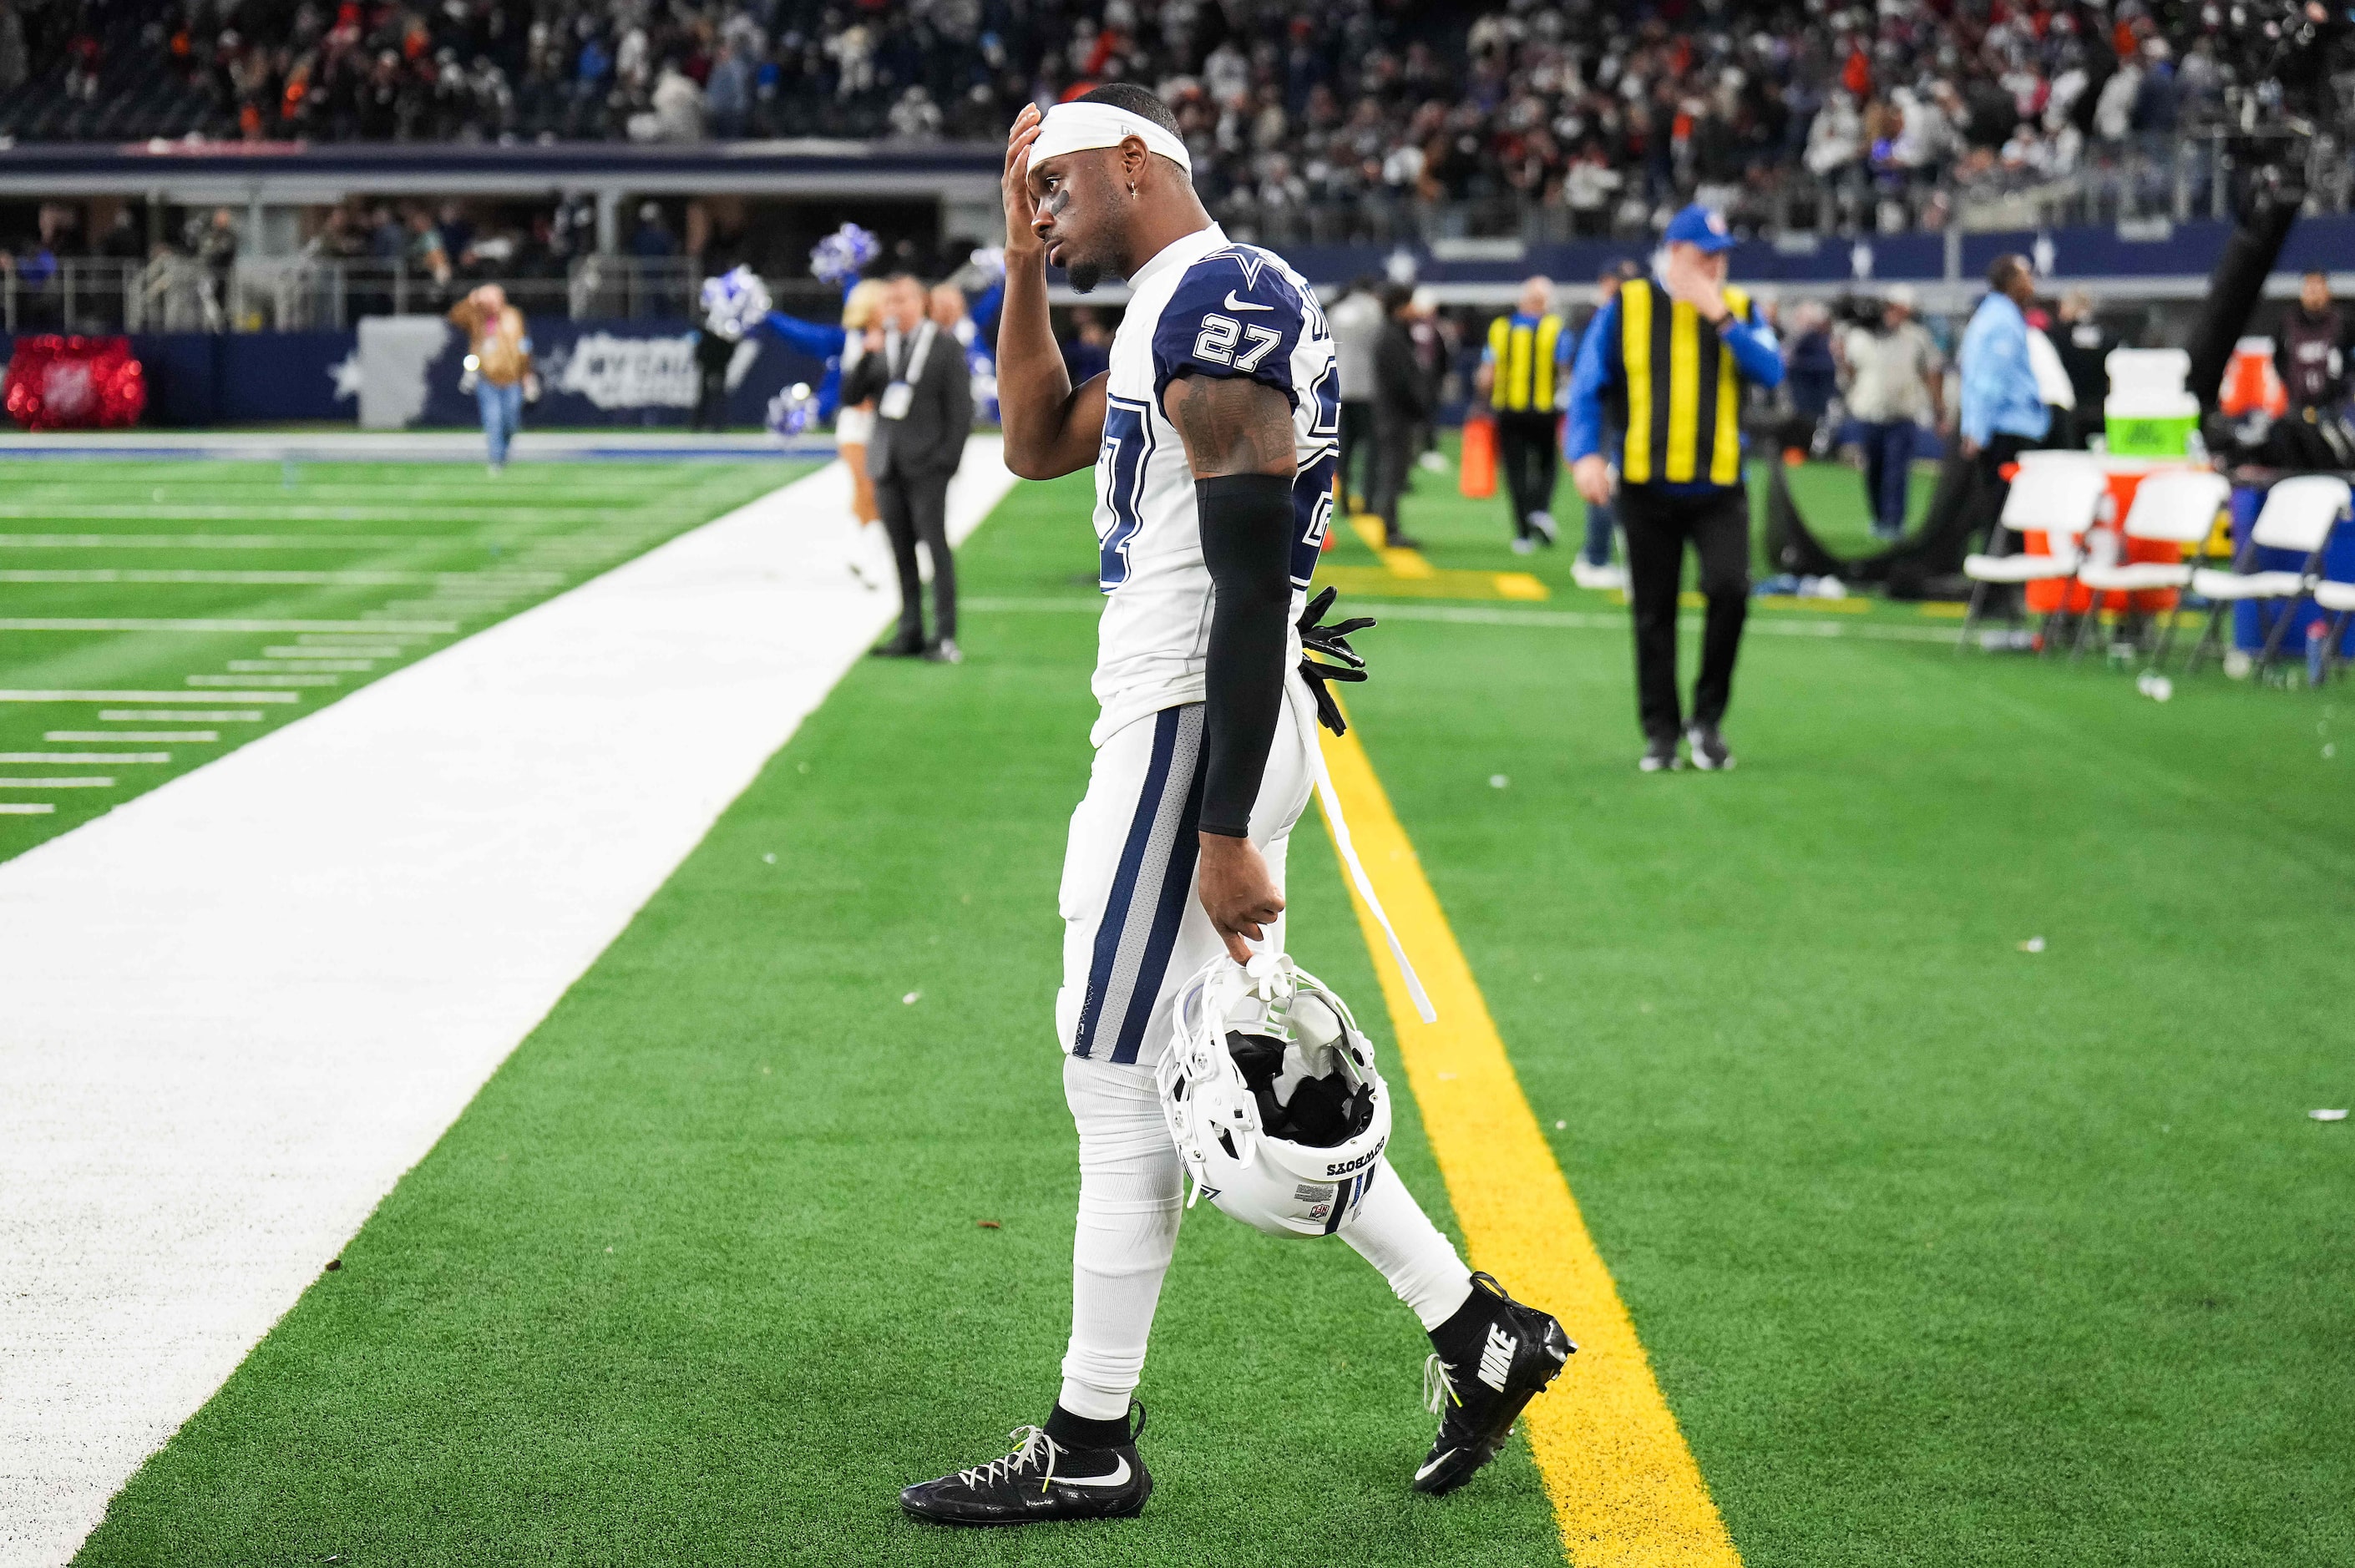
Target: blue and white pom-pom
[
  {"x": 840, "y": 256},
  {"x": 734, "y": 302},
  {"x": 792, "y": 411}
]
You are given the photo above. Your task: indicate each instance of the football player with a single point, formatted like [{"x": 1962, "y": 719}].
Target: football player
[{"x": 1214, "y": 438}]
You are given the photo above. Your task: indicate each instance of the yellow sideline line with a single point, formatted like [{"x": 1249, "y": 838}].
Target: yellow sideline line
[{"x": 1625, "y": 1490}]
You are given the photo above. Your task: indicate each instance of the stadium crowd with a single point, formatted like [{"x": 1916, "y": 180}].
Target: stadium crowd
[{"x": 1336, "y": 121}]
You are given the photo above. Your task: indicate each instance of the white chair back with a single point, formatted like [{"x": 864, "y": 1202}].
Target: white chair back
[
  {"x": 2055, "y": 494},
  {"x": 2177, "y": 505},
  {"x": 2299, "y": 513}
]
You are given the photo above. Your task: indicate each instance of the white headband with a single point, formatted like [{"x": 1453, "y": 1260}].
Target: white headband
[{"x": 1077, "y": 127}]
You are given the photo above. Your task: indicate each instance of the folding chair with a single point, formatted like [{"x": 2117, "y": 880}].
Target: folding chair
[
  {"x": 2339, "y": 599},
  {"x": 2176, "y": 506},
  {"x": 2298, "y": 517},
  {"x": 2052, "y": 493}
]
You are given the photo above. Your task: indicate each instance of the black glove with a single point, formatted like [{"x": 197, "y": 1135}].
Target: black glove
[{"x": 1333, "y": 642}]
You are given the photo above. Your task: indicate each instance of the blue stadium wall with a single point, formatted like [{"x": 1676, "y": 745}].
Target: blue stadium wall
[{"x": 198, "y": 379}]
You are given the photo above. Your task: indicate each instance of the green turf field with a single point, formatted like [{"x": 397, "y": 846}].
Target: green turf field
[
  {"x": 277, "y": 586},
  {"x": 1947, "y": 1251}
]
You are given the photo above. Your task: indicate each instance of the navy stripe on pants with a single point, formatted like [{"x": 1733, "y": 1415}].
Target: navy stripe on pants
[{"x": 1147, "y": 902}]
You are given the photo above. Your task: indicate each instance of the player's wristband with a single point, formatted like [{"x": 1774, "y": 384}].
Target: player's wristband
[{"x": 1246, "y": 521}]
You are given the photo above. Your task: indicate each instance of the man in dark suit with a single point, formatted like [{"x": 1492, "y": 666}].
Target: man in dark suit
[{"x": 923, "y": 411}]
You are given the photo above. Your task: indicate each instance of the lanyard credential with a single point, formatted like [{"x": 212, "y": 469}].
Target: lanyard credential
[{"x": 898, "y": 397}]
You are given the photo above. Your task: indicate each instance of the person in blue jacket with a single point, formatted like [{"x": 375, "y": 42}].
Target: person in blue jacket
[{"x": 1666, "y": 364}]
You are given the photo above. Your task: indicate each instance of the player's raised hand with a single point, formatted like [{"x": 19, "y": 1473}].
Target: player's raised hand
[{"x": 1021, "y": 212}]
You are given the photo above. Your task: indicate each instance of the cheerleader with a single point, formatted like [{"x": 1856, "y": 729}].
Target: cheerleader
[{"x": 861, "y": 308}]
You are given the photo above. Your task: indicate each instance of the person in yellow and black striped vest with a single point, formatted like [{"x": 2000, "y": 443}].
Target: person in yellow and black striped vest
[
  {"x": 1666, "y": 361},
  {"x": 1523, "y": 374}
]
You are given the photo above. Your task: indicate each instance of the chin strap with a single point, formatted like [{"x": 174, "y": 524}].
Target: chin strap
[{"x": 1341, "y": 840}]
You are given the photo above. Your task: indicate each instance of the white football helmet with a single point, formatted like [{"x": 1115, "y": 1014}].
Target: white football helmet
[{"x": 1306, "y": 1068}]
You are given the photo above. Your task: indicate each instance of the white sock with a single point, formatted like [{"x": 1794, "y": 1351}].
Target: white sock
[
  {"x": 1390, "y": 1231},
  {"x": 1131, "y": 1183}
]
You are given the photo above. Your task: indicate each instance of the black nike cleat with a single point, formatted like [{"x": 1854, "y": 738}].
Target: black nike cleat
[
  {"x": 1495, "y": 1355},
  {"x": 1041, "y": 1480}
]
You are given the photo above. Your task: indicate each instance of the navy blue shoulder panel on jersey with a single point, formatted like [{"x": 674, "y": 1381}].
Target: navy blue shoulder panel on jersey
[{"x": 1234, "y": 313}]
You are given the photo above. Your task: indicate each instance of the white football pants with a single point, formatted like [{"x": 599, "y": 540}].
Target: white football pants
[{"x": 1130, "y": 1199}]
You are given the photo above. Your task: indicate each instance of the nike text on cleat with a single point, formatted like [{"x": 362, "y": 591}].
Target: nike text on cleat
[
  {"x": 1236, "y": 305},
  {"x": 1491, "y": 1359},
  {"x": 1042, "y": 1479}
]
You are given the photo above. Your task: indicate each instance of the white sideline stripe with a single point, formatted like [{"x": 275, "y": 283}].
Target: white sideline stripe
[
  {"x": 274, "y": 628},
  {"x": 118, "y": 715},
  {"x": 238, "y": 1006},
  {"x": 19, "y": 758},
  {"x": 332, "y": 649},
  {"x": 150, "y": 697},
  {"x": 26, "y": 809},
  {"x": 56, "y": 783}
]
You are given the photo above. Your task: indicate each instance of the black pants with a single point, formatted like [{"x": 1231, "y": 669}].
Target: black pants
[
  {"x": 1527, "y": 451},
  {"x": 916, "y": 507},
  {"x": 710, "y": 401},
  {"x": 1393, "y": 450},
  {"x": 2003, "y": 449},
  {"x": 1658, "y": 522},
  {"x": 1356, "y": 427}
]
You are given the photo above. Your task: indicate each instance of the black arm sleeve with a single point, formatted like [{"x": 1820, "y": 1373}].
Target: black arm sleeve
[{"x": 1246, "y": 521}]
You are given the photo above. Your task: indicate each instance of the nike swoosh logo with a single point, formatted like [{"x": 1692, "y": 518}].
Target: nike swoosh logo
[
  {"x": 1426, "y": 1470},
  {"x": 1118, "y": 1478},
  {"x": 1236, "y": 305}
]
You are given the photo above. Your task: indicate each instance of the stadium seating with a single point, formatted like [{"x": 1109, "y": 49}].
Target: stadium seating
[{"x": 1326, "y": 123}]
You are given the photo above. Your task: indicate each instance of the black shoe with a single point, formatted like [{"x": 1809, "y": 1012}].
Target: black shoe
[
  {"x": 1041, "y": 1480},
  {"x": 1401, "y": 542},
  {"x": 1493, "y": 1357},
  {"x": 945, "y": 652},
  {"x": 1660, "y": 755},
  {"x": 1708, "y": 749},
  {"x": 897, "y": 648}
]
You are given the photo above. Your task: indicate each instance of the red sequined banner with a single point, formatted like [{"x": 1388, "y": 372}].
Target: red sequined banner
[{"x": 74, "y": 383}]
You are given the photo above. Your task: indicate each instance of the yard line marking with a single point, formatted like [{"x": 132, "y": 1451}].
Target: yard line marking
[
  {"x": 272, "y": 628},
  {"x": 23, "y": 756},
  {"x": 242, "y": 541},
  {"x": 1545, "y": 620},
  {"x": 293, "y": 665},
  {"x": 27, "y": 808},
  {"x": 118, "y": 715},
  {"x": 1625, "y": 1490},
  {"x": 217, "y": 1061},
  {"x": 520, "y": 581},
  {"x": 91, "y": 783},
  {"x": 152, "y": 697},
  {"x": 197, "y": 735},
  {"x": 256, "y": 681},
  {"x": 325, "y": 650}
]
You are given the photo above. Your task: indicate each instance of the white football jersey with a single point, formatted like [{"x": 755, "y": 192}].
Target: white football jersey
[{"x": 1203, "y": 306}]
